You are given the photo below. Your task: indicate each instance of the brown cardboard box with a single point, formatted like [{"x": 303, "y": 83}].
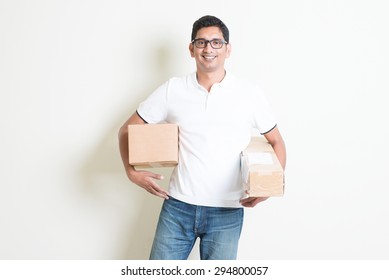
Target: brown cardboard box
[
  {"x": 153, "y": 145},
  {"x": 262, "y": 173}
]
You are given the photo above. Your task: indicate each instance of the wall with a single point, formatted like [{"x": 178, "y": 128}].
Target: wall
[{"x": 73, "y": 71}]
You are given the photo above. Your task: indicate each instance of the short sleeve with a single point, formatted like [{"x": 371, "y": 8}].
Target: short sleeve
[
  {"x": 154, "y": 108},
  {"x": 263, "y": 115}
]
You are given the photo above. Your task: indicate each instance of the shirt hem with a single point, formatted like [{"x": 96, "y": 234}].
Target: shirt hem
[{"x": 207, "y": 203}]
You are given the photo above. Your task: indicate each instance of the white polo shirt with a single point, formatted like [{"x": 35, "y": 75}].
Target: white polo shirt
[{"x": 214, "y": 128}]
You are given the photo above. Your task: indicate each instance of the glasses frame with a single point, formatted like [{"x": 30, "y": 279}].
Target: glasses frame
[{"x": 210, "y": 42}]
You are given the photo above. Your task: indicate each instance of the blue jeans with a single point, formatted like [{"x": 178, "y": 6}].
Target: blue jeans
[{"x": 180, "y": 224}]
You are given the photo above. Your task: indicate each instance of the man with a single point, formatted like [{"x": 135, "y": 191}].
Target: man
[{"x": 215, "y": 113}]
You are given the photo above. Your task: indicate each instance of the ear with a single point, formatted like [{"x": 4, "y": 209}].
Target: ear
[
  {"x": 191, "y": 50},
  {"x": 229, "y": 49}
]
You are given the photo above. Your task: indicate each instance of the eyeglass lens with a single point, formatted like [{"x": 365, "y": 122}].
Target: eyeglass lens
[{"x": 202, "y": 43}]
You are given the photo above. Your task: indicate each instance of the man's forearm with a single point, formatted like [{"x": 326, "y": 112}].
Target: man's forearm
[
  {"x": 123, "y": 146},
  {"x": 275, "y": 139},
  {"x": 280, "y": 150},
  {"x": 123, "y": 141}
]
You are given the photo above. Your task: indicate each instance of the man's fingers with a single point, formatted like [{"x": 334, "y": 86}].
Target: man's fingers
[
  {"x": 155, "y": 189},
  {"x": 156, "y": 176},
  {"x": 145, "y": 180},
  {"x": 252, "y": 201},
  {"x": 246, "y": 202}
]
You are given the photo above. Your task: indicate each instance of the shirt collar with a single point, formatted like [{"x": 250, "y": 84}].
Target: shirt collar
[{"x": 225, "y": 82}]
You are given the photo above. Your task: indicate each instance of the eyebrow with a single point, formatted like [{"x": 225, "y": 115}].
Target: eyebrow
[{"x": 210, "y": 39}]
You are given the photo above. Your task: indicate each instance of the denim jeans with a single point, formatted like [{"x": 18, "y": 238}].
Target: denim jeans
[{"x": 180, "y": 224}]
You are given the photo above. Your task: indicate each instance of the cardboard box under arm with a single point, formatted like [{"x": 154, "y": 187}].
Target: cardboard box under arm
[
  {"x": 153, "y": 145},
  {"x": 262, "y": 173}
]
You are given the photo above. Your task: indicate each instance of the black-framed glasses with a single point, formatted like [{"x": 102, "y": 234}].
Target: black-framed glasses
[{"x": 215, "y": 43}]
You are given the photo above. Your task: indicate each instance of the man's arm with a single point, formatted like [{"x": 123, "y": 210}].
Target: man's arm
[
  {"x": 275, "y": 139},
  {"x": 144, "y": 179}
]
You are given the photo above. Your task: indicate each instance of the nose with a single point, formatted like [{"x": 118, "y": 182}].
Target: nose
[{"x": 208, "y": 46}]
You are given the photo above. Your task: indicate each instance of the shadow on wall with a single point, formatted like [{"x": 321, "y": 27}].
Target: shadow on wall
[
  {"x": 127, "y": 211},
  {"x": 135, "y": 211}
]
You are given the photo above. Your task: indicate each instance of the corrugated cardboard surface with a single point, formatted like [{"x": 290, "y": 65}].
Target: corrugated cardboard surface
[
  {"x": 262, "y": 173},
  {"x": 153, "y": 145}
]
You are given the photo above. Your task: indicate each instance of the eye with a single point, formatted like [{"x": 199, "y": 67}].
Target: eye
[
  {"x": 200, "y": 42},
  {"x": 216, "y": 43}
]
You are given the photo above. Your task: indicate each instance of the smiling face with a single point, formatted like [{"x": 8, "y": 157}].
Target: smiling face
[{"x": 209, "y": 59}]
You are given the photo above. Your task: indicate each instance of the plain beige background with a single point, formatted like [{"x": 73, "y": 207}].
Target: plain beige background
[{"x": 71, "y": 72}]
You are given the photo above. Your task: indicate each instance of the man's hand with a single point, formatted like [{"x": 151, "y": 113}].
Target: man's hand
[
  {"x": 252, "y": 201},
  {"x": 145, "y": 180}
]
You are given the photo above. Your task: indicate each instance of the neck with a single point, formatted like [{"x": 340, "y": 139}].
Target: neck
[{"x": 207, "y": 80}]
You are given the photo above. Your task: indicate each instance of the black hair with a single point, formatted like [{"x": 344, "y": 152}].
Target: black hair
[{"x": 208, "y": 21}]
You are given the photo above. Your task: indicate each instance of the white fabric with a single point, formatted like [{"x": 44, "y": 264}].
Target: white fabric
[{"x": 214, "y": 128}]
